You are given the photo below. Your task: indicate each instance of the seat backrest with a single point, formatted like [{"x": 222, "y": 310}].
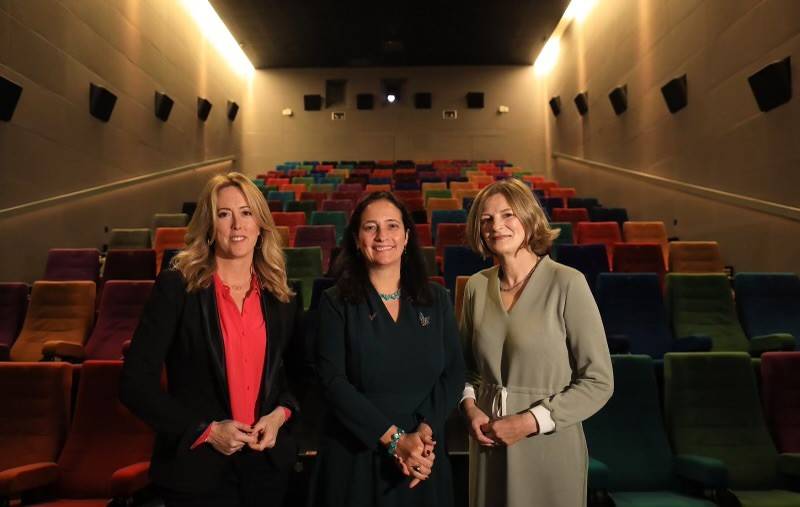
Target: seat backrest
[
  {"x": 601, "y": 214},
  {"x": 338, "y": 219},
  {"x": 566, "y": 235},
  {"x": 638, "y": 258},
  {"x": 62, "y": 311},
  {"x": 628, "y": 434},
  {"x": 377, "y": 187},
  {"x": 168, "y": 238},
  {"x": 169, "y": 220},
  {"x": 461, "y": 260},
  {"x": 647, "y": 232},
  {"x": 323, "y": 236},
  {"x": 583, "y": 202},
  {"x": 307, "y": 207},
  {"x": 572, "y": 215},
  {"x": 780, "y": 384},
  {"x": 13, "y": 305},
  {"x": 429, "y": 257},
  {"x": 344, "y": 205},
  {"x": 461, "y": 284},
  {"x": 440, "y": 203},
  {"x": 631, "y": 305},
  {"x": 121, "y": 306},
  {"x": 450, "y": 234},
  {"x": 424, "y": 236},
  {"x": 35, "y": 412},
  {"x": 433, "y": 185},
  {"x": 73, "y": 264},
  {"x": 451, "y": 216},
  {"x": 591, "y": 260},
  {"x": 768, "y": 303},
  {"x": 283, "y": 232},
  {"x": 129, "y": 238},
  {"x": 695, "y": 257},
  {"x": 712, "y": 409},
  {"x": 700, "y": 304},
  {"x": 139, "y": 264},
  {"x": 104, "y": 435},
  {"x": 435, "y": 193},
  {"x": 604, "y": 233},
  {"x": 304, "y": 264}
]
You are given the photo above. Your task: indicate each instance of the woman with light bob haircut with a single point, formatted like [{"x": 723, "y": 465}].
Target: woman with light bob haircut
[
  {"x": 221, "y": 322},
  {"x": 536, "y": 358}
]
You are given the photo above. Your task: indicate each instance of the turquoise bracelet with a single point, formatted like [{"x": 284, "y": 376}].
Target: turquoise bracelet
[{"x": 392, "y": 447}]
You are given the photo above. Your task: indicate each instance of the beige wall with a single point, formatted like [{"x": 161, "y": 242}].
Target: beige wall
[
  {"x": 54, "y": 49},
  {"x": 721, "y": 140},
  {"x": 398, "y": 131}
]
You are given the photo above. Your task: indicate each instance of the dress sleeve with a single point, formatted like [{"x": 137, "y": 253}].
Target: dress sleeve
[
  {"x": 466, "y": 327},
  {"x": 140, "y": 384},
  {"x": 352, "y": 408},
  {"x": 592, "y": 376},
  {"x": 443, "y": 398}
]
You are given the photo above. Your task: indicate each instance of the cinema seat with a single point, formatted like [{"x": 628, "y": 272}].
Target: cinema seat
[
  {"x": 290, "y": 219},
  {"x": 168, "y": 238},
  {"x": 695, "y": 257},
  {"x": 62, "y": 311},
  {"x": 343, "y": 205},
  {"x": 591, "y": 260},
  {"x": 780, "y": 384},
  {"x": 461, "y": 284},
  {"x": 338, "y": 219},
  {"x": 121, "y": 307},
  {"x": 307, "y": 207},
  {"x": 137, "y": 264},
  {"x": 440, "y": 216},
  {"x": 168, "y": 220},
  {"x": 638, "y": 258},
  {"x": 72, "y": 264},
  {"x": 34, "y": 418},
  {"x": 461, "y": 260},
  {"x": 604, "y": 233},
  {"x": 107, "y": 451},
  {"x": 571, "y": 215},
  {"x": 129, "y": 239},
  {"x": 768, "y": 303},
  {"x": 304, "y": 265},
  {"x": 323, "y": 236},
  {"x": 13, "y": 306},
  {"x": 424, "y": 237},
  {"x": 627, "y": 435},
  {"x": 647, "y": 232},
  {"x": 712, "y": 410}
]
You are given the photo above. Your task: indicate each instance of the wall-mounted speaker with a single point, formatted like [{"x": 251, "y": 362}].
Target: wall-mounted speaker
[
  {"x": 9, "y": 97},
  {"x": 676, "y": 94},
  {"x": 475, "y": 100},
  {"x": 365, "y": 101},
  {"x": 163, "y": 106},
  {"x": 619, "y": 99},
  {"x": 101, "y": 102},
  {"x": 423, "y": 100},
  {"x": 555, "y": 105},
  {"x": 203, "y": 108},
  {"x": 772, "y": 85},
  {"x": 335, "y": 91},
  {"x": 582, "y": 103},
  {"x": 233, "y": 110},
  {"x": 312, "y": 102}
]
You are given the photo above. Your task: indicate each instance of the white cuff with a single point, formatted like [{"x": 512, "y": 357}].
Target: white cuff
[
  {"x": 467, "y": 393},
  {"x": 543, "y": 419}
]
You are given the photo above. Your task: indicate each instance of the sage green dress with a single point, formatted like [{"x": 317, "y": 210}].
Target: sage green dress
[{"x": 550, "y": 349}]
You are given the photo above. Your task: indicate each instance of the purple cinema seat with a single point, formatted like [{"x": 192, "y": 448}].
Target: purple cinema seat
[
  {"x": 13, "y": 305},
  {"x": 121, "y": 307},
  {"x": 71, "y": 264}
]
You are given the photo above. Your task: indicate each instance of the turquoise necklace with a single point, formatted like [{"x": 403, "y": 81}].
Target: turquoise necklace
[{"x": 394, "y": 296}]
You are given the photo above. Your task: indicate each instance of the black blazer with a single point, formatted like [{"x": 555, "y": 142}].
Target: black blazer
[{"x": 180, "y": 331}]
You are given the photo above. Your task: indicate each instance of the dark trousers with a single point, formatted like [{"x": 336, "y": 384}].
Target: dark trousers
[{"x": 250, "y": 481}]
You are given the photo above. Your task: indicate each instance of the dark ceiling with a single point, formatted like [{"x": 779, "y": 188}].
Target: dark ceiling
[{"x": 316, "y": 33}]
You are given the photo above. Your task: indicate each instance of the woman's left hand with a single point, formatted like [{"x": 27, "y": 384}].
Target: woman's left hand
[
  {"x": 266, "y": 429},
  {"x": 511, "y": 429}
]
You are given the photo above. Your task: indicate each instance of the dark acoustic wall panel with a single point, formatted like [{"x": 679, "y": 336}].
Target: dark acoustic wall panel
[
  {"x": 619, "y": 99},
  {"x": 772, "y": 85},
  {"x": 335, "y": 92},
  {"x": 423, "y": 100},
  {"x": 10, "y": 93},
  {"x": 475, "y": 100},
  {"x": 233, "y": 110},
  {"x": 163, "y": 106},
  {"x": 101, "y": 102},
  {"x": 582, "y": 103},
  {"x": 312, "y": 102},
  {"x": 676, "y": 94},
  {"x": 555, "y": 105},
  {"x": 203, "y": 108},
  {"x": 365, "y": 101}
]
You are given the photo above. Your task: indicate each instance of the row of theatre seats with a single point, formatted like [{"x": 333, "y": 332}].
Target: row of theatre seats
[{"x": 675, "y": 296}]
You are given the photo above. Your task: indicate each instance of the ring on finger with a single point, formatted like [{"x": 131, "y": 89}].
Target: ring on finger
[{"x": 416, "y": 468}]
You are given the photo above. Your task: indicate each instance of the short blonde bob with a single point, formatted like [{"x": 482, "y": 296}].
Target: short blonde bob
[
  {"x": 197, "y": 262},
  {"x": 539, "y": 236}
]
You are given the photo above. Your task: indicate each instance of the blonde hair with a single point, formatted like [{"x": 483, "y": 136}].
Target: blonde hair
[
  {"x": 539, "y": 235},
  {"x": 197, "y": 262}
]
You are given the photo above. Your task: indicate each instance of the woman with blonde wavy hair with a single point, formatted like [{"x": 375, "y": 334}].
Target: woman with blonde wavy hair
[{"x": 220, "y": 323}]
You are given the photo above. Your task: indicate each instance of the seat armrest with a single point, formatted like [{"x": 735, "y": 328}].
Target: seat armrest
[
  {"x": 126, "y": 481},
  {"x": 619, "y": 344},
  {"x": 5, "y": 352},
  {"x": 14, "y": 481},
  {"x": 709, "y": 472},
  {"x": 789, "y": 464},
  {"x": 770, "y": 343},
  {"x": 598, "y": 475},
  {"x": 692, "y": 343},
  {"x": 58, "y": 349}
]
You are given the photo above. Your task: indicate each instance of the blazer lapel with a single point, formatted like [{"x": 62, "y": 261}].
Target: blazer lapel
[
  {"x": 213, "y": 335},
  {"x": 274, "y": 327}
]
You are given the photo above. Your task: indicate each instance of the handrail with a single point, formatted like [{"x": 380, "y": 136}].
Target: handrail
[
  {"x": 28, "y": 206},
  {"x": 743, "y": 201}
]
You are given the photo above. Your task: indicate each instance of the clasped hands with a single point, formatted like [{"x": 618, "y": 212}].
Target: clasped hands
[
  {"x": 229, "y": 436},
  {"x": 414, "y": 454},
  {"x": 505, "y": 431}
]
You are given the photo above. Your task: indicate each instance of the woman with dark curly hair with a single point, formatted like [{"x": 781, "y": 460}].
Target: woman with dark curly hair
[{"x": 391, "y": 368}]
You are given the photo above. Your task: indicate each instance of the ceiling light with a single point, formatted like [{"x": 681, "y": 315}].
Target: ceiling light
[
  {"x": 547, "y": 58},
  {"x": 390, "y": 98},
  {"x": 215, "y": 31}
]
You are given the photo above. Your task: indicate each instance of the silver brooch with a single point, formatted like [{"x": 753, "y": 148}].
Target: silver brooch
[{"x": 423, "y": 320}]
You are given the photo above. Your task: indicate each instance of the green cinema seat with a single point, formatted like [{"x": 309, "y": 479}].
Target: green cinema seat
[
  {"x": 307, "y": 207},
  {"x": 437, "y": 193},
  {"x": 702, "y": 305},
  {"x": 337, "y": 219},
  {"x": 627, "y": 436},
  {"x": 565, "y": 236},
  {"x": 712, "y": 409},
  {"x": 303, "y": 265}
]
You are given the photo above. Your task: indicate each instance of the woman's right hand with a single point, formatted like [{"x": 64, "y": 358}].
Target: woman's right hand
[
  {"x": 411, "y": 458},
  {"x": 230, "y": 436},
  {"x": 475, "y": 419}
]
